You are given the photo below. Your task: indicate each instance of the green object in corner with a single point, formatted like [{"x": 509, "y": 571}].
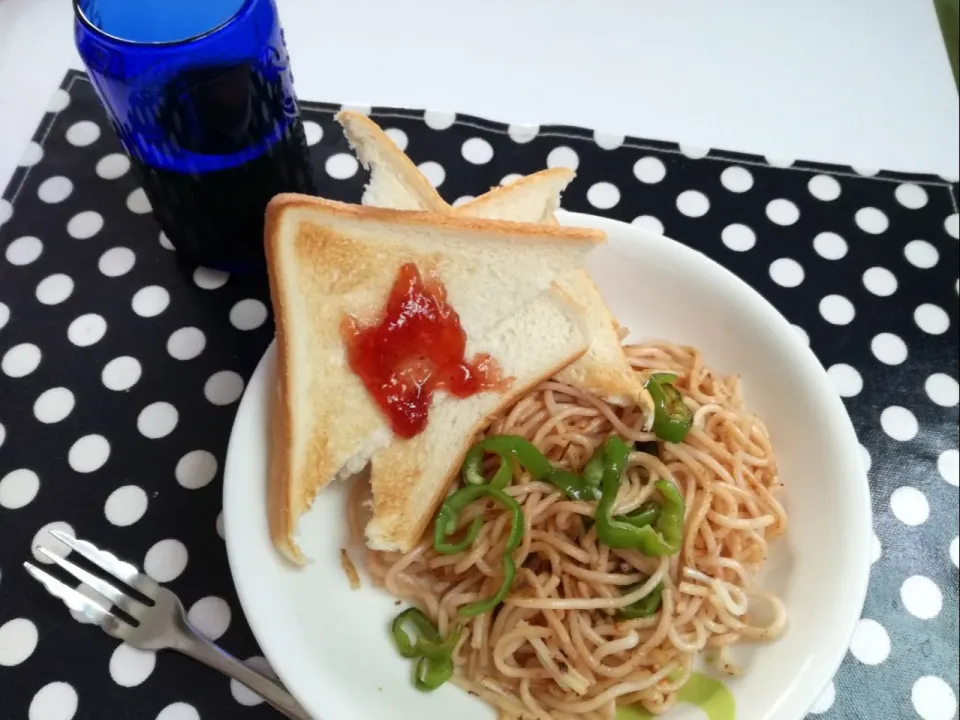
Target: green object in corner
[
  {"x": 703, "y": 692},
  {"x": 949, "y": 13}
]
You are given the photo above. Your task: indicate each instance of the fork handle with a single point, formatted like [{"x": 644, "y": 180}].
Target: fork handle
[{"x": 206, "y": 652}]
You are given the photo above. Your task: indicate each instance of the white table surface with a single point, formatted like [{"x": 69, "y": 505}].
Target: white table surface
[{"x": 860, "y": 82}]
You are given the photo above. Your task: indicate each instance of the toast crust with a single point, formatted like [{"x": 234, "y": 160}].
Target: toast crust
[
  {"x": 286, "y": 202},
  {"x": 560, "y": 177},
  {"x": 280, "y": 504}
]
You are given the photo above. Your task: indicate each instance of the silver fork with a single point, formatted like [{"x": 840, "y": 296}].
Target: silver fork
[{"x": 162, "y": 626}]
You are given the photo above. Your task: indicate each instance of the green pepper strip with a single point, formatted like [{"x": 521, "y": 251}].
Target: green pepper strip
[
  {"x": 481, "y": 606},
  {"x": 434, "y": 655},
  {"x": 646, "y": 514},
  {"x": 531, "y": 459},
  {"x": 661, "y": 538},
  {"x": 428, "y": 642},
  {"x": 644, "y": 607},
  {"x": 429, "y": 674},
  {"x": 593, "y": 470},
  {"x": 672, "y": 419},
  {"x": 446, "y": 524}
]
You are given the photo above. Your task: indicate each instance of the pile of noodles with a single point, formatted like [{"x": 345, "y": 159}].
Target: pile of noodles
[{"x": 555, "y": 648}]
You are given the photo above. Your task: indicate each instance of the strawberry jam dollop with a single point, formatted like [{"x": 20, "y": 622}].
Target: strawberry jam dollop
[{"x": 416, "y": 349}]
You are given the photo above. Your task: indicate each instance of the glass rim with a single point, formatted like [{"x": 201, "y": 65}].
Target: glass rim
[{"x": 92, "y": 27}]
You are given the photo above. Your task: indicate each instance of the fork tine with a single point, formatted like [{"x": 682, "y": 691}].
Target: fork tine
[
  {"x": 74, "y": 600},
  {"x": 109, "y": 563},
  {"x": 129, "y": 605}
]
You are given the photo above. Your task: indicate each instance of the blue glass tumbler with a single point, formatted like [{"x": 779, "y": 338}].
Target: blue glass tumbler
[{"x": 201, "y": 95}]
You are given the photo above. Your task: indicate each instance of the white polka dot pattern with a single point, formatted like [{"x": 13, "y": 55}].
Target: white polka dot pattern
[
  {"x": 116, "y": 355},
  {"x": 872, "y": 220},
  {"x": 179, "y": 711},
  {"x": 825, "y": 701},
  {"x": 125, "y": 505},
  {"x": 871, "y": 643},
  {"x": 53, "y": 405},
  {"x": 55, "y": 701},
  {"x": 738, "y": 237},
  {"x": 211, "y": 616},
  {"x": 649, "y": 223},
  {"x": 44, "y": 539},
  {"x": 434, "y": 172},
  {"x": 313, "y": 131},
  {"x": 18, "y": 639},
  {"x": 165, "y": 560},
  {"x": 18, "y": 488},
  {"x": 649, "y": 170},
  {"x": 736, "y": 179},
  {"x": 910, "y": 506},
  {"x": 830, "y": 246},
  {"x": 54, "y": 289},
  {"x": 824, "y": 187},
  {"x": 563, "y": 156},
  {"x": 157, "y": 420},
  {"x": 89, "y": 453},
  {"x": 603, "y": 195},
  {"x": 341, "y": 166},
  {"x": 933, "y": 699},
  {"x": 783, "y": 212},
  {"x": 921, "y": 597},
  {"x": 693, "y": 203},
  {"x": 130, "y": 667},
  {"x": 477, "y": 151}
]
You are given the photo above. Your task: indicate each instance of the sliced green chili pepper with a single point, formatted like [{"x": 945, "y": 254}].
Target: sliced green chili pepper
[
  {"x": 662, "y": 537},
  {"x": 644, "y": 607},
  {"x": 573, "y": 486},
  {"x": 672, "y": 419},
  {"x": 428, "y": 642},
  {"x": 424, "y": 628},
  {"x": 430, "y": 673},
  {"x": 481, "y": 606},
  {"x": 446, "y": 525},
  {"x": 593, "y": 470},
  {"x": 531, "y": 459},
  {"x": 446, "y": 522},
  {"x": 473, "y": 468},
  {"x": 434, "y": 654},
  {"x": 646, "y": 514}
]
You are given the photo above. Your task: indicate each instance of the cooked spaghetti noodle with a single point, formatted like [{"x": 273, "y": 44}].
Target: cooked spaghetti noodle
[{"x": 555, "y": 649}]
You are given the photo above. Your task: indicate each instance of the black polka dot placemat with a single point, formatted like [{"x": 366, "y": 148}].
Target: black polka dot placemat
[{"x": 121, "y": 369}]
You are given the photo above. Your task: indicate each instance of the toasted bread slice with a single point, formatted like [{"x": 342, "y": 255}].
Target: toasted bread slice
[
  {"x": 326, "y": 260},
  {"x": 396, "y": 182},
  {"x": 532, "y": 198}
]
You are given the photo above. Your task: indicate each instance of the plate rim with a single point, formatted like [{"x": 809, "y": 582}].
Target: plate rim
[{"x": 822, "y": 674}]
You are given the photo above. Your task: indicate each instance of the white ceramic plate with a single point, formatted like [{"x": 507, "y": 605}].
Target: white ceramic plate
[{"x": 330, "y": 645}]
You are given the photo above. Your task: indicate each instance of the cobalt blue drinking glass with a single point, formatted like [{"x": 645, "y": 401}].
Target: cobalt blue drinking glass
[{"x": 201, "y": 95}]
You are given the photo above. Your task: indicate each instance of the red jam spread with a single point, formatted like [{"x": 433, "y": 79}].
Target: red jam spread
[{"x": 416, "y": 349}]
